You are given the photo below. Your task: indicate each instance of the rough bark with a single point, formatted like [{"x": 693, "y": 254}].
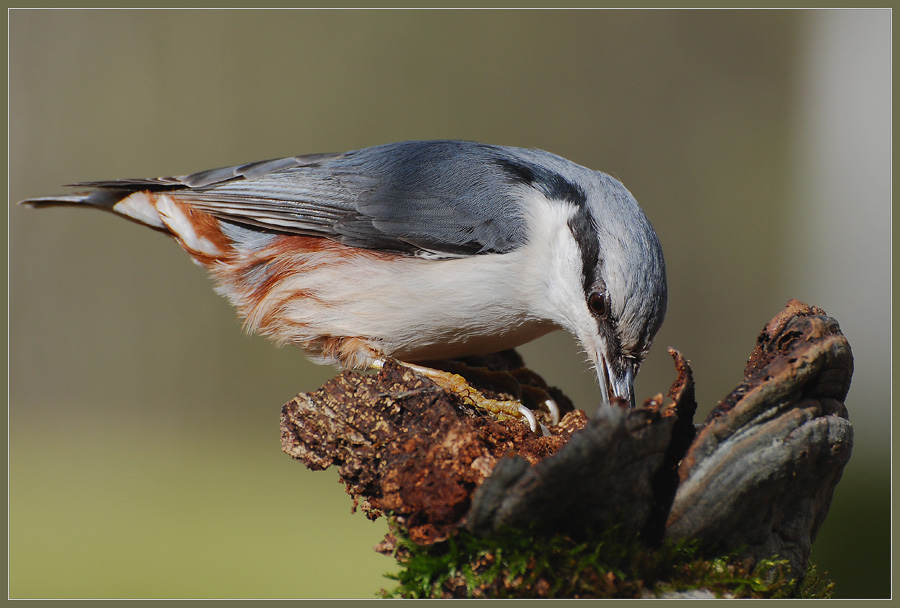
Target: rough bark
[
  {"x": 756, "y": 477},
  {"x": 405, "y": 446}
]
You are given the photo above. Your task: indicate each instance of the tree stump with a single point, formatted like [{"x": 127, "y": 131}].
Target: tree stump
[{"x": 754, "y": 481}]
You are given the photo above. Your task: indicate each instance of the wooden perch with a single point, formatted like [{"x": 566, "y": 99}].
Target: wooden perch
[
  {"x": 764, "y": 465},
  {"x": 754, "y": 481}
]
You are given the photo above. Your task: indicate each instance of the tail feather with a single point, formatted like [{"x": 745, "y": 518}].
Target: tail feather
[
  {"x": 136, "y": 206},
  {"x": 100, "y": 199},
  {"x": 198, "y": 232}
]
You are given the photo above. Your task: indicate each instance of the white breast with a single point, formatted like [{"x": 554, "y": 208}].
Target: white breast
[{"x": 417, "y": 309}]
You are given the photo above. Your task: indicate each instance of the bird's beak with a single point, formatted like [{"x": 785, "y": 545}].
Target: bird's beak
[{"x": 615, "y": 385}]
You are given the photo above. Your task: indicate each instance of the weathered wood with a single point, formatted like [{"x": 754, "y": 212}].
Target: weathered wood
[
  {"x": 405, "y": 446},
  {"x": 612, "y": 472},
  {"x": 762, "y": 470},
  {"x": 756, "y": 476}
]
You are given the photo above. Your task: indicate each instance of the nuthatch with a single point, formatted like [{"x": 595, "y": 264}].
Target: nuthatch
[{"x": 417, "y": 251}]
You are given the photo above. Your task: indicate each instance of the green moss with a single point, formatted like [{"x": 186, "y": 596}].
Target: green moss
[{"x": 516, "y": 563}]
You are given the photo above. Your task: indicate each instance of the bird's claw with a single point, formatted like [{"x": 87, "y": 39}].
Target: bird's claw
[
  {"x": 550, "y": 405},
  {"x": 527, "y": 415},
  {"x": 500, "y": 408}
]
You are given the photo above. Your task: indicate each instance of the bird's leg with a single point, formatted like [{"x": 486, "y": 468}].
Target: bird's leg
[{"x": 458, "y": 385}]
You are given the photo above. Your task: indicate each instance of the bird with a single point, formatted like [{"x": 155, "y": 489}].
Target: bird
[{"x": 416, "y": 251}]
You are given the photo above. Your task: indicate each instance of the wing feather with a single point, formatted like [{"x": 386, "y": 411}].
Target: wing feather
[{"x": 429, "y": 198}]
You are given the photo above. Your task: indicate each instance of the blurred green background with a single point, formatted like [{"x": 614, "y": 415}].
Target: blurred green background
[{"x": 144, "y": 455}]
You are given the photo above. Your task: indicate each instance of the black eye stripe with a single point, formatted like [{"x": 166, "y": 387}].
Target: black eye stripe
[{"x": 585, "y": 233}]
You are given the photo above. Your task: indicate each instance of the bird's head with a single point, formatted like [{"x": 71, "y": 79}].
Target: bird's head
[{"x": 609, "y": 282}]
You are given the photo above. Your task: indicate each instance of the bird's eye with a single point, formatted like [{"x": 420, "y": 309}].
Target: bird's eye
[{"x": 597, "y": 303}]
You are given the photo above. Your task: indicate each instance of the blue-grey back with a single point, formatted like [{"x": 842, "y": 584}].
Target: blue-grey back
[{"x": 438, "y": 197}]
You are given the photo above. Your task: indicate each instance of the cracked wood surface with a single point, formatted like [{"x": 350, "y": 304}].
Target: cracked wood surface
[{"x": 757, "y": 475}]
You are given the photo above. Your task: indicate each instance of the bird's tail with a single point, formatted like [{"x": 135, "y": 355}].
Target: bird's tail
[
  {"x": 138, "y": 206},
  {"x": 197, "y": 232}
]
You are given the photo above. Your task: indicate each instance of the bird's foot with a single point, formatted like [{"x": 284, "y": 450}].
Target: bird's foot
[{"x": 500, "y": 408}]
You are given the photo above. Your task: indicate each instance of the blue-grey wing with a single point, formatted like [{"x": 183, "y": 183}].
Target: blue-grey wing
[{"x": 438, "y": 198}]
